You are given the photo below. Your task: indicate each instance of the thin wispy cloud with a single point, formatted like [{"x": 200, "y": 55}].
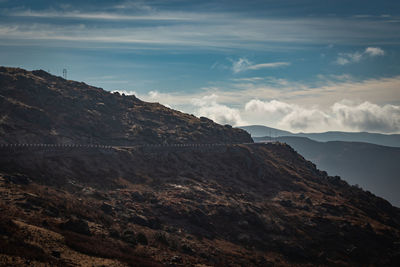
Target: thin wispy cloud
[
  {"x": 268, "y": 65},
  {"x": 243, "y": 64},
  {"x": 129, "y": 5},
  {"x": 208, "y": 30},
  {"x": 251, "y": 79},
  {"x": 102, "y": 16},
  {"x": 347, "y": 58}
]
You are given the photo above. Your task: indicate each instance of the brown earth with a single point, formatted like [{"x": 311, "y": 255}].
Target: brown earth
[{"x": 250, "y": 205}]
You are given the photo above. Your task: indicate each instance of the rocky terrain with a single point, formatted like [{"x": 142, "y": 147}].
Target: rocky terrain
[
  {"x": 373, "y": 167},
  {"x": 239, "y": 205},
  {"x": 36, "y": 107}
]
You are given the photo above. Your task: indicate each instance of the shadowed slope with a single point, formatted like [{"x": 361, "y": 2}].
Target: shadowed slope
[
  {"x": 250, "y": 204},
  {"x": 373, "y": 167},
  {"x": 37, "y": 107}
]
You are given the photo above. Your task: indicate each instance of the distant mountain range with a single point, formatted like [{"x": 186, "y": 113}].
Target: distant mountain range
[
  {"x": 373, "y": 138},
  {"x": 373, "y": 167}
]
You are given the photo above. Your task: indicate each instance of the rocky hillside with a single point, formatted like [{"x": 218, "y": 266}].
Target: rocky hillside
[
  {"x": 232, "y": 205},
  {"x": 373, "y": 167},
  {"x": 36, "y": 107},
  {"x": 247, "y": 205}
]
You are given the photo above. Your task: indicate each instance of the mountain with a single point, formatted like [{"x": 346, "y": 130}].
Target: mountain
[
  {"x": 373, "y": 138},
  {"x": 37, "y": 107},
  {"x": 264, "y": 131},
  {"x": 213, "y": 205},
  {"x": 373, "y": 167}
]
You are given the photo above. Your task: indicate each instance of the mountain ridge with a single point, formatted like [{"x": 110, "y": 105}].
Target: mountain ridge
[
  {"x": 373, "y": 167},
  {"x": 73, "y": 112},
  {"x": 373, "y": 138}
]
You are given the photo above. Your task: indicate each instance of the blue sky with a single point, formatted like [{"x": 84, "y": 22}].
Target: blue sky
[{"x": 310, "y": 66}]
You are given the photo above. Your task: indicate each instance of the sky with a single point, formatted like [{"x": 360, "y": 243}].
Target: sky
[{"x": 297, "y": 65}]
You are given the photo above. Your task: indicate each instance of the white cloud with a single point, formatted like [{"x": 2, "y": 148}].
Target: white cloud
[
  {"x": 346, "y": 58},
  {"x": 154, "y": 95},
  {"x": 374, "y": 51},
  {"x": 342, "y": 61},
  {"x": 344, "y": 115},
  {"x": 318, "y": 108},
  {"x": 304, "y": 119},
  {"x": 210, "y": 108},
  {"x": 268, "y": 65},
  {"x": 288, "y": 116},
  {"x": 272, "y": 106},
  {"x": 125, "y": 92},
  {"x": 243, "y": 64},
  {"x": 368, "y": 117}
]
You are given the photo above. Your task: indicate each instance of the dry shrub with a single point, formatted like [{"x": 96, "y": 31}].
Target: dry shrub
[
  {"x": 12, "y": 243},
  {"x": 95, "y": 246}
]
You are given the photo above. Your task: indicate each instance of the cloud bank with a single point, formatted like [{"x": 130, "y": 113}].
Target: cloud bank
[
  {"x": 307, "y": 108},
  {"x": 344, "y": 115},
  {"x": 208, "y": 106}
]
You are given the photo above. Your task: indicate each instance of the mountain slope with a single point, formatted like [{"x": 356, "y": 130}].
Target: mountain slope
[
  {"x": 230, "y": 205},
  {"x": 264, "y": 131},
  {"x": 37, "y": 107},
  {"x": 249, "y": 205},
  {"x": 375, "y": 168},
  {"x": 373, "y": 138}
]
